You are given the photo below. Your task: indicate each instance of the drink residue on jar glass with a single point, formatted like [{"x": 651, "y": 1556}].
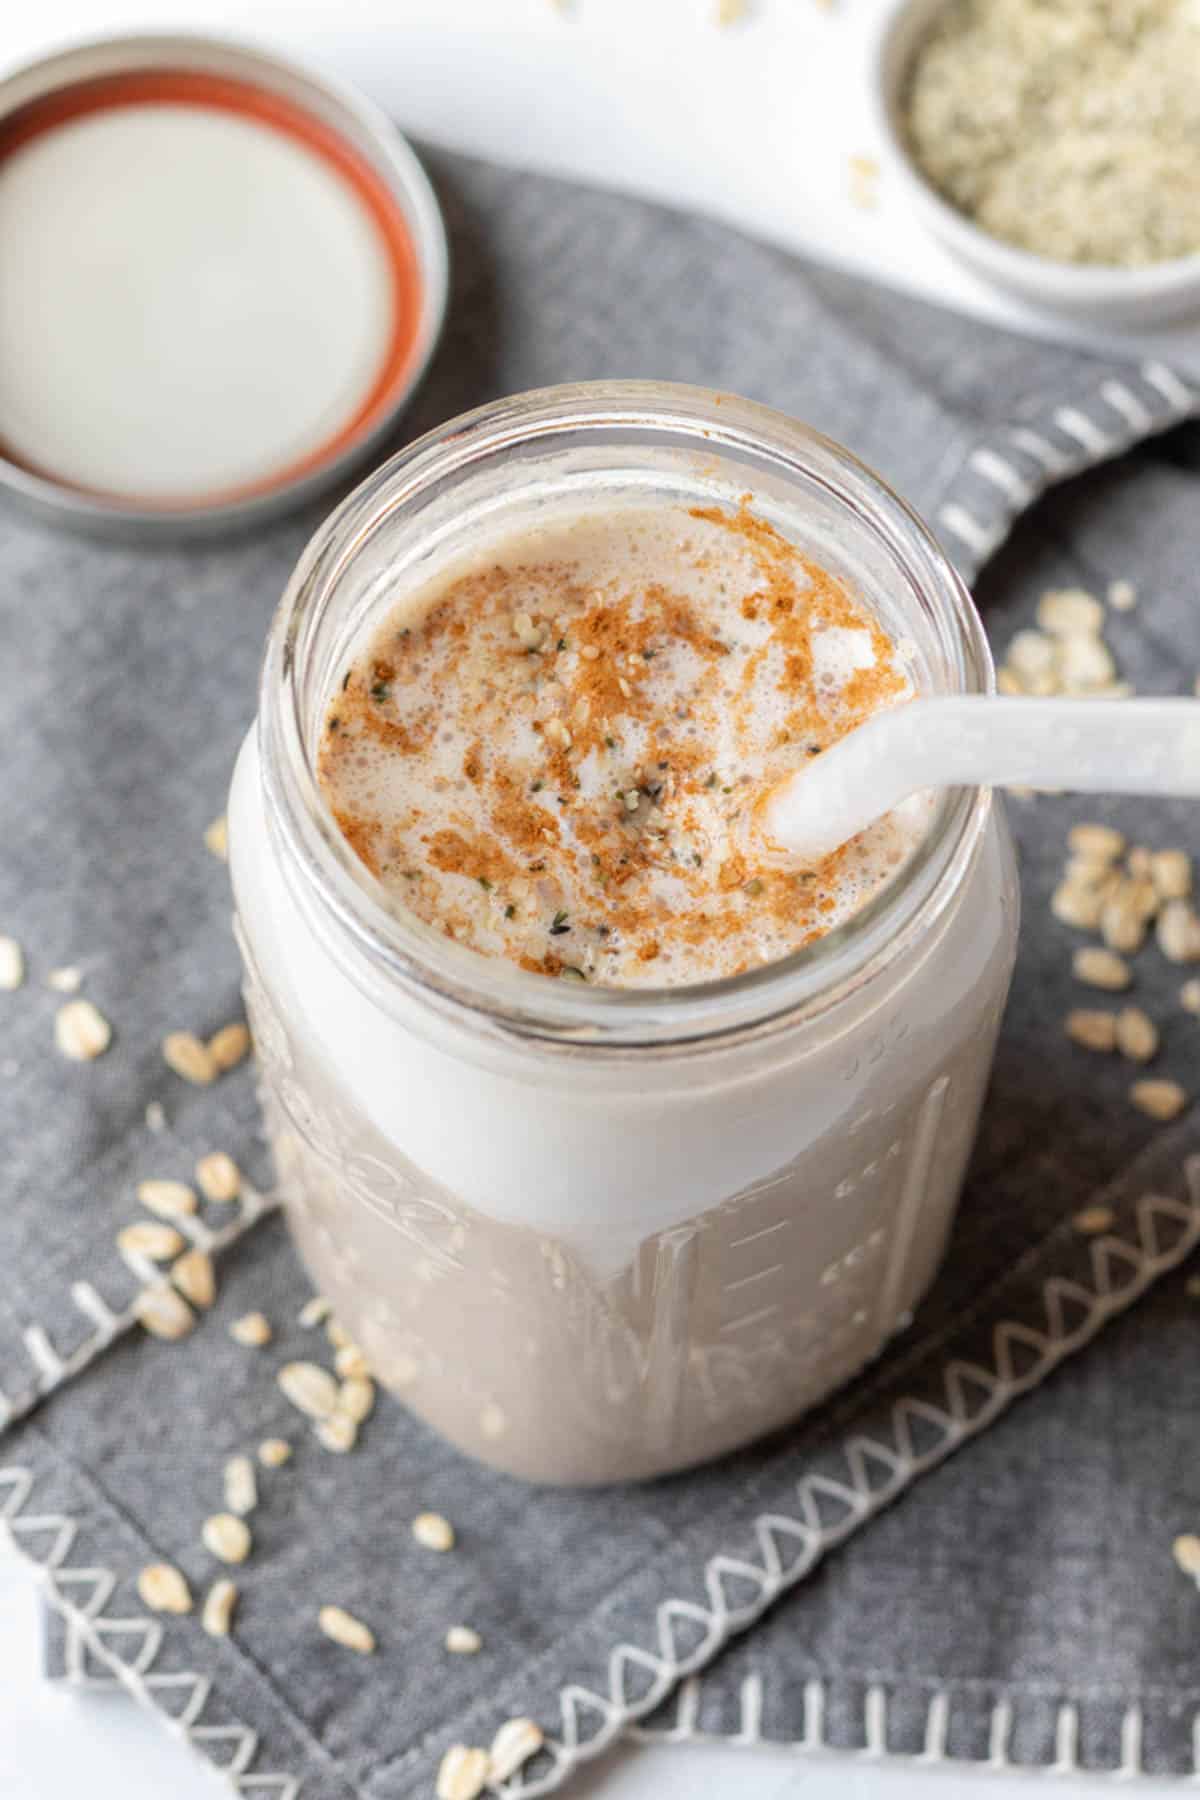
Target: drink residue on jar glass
[{"x": 548, "y": 752}]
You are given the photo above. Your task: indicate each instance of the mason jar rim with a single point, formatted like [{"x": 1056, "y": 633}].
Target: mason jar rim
[{"x": 491, "y": 995}]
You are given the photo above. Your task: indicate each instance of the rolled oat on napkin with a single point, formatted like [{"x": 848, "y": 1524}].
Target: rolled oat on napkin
[{"x": 1020, "y": 1602}]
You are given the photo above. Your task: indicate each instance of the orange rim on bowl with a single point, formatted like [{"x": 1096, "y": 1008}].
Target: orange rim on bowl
[{"x": 234, "y": 275}]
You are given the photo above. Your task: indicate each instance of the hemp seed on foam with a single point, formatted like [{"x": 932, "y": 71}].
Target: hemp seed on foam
[{"x": 547, "y": 753}]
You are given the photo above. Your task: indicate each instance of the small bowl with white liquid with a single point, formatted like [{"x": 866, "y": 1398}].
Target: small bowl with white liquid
[
  {"x": 1100, "y": 292},
  {"x": 223, "y": 277}
]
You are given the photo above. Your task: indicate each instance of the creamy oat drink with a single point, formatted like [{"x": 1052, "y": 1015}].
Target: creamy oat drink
[
  {"x": 612, "y": 1145},
  {"x": 550, "y": 753}
]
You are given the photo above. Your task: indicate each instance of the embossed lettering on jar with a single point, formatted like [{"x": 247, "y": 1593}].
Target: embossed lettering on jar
[{"x": 594, "y": 1234}]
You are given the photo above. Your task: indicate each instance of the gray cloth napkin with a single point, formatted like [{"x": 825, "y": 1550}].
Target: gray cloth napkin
[{"x": 1019, "y": 1602}]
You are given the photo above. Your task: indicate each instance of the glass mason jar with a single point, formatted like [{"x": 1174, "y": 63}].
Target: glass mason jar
[{"x": 591, "y": 1234}]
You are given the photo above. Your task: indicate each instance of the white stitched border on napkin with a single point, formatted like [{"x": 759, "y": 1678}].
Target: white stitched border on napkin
[
  {"x": 875, "y": 1747},
  {"x": 790, "y": 1546},
  {"x": 980, "y": 506},
  {"x": 52, "y": 1368},
  {"x": 1061, "y": 441},
  {"x": 1121, "y": 1274}
]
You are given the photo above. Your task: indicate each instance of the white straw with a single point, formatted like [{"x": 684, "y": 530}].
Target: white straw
[{"x": 1089, "y": 746}]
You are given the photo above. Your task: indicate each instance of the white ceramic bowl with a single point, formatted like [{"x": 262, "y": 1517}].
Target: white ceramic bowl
[{"x": 1093, "y": 295}]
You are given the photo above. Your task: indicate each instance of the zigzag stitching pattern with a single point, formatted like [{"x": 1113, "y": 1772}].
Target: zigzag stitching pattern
[
  {"x": 1121, "y": 1274},
  {"x": 90, "y": 1626},
  {"x": 53, "y": 1369},
  {"x": 1172, "y": 400},
  {"x": 829, "y": 1511}
]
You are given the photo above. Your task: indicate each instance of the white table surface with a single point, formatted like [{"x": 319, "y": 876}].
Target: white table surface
[{"x": 755, "y": 124}]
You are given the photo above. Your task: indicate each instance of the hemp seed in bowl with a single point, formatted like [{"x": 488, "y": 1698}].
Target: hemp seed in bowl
[{"x": 1053, "y": 145}]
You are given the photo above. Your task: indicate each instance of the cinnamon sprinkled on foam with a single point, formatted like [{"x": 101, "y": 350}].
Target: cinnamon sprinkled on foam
[{"x": 548, "y": 751}]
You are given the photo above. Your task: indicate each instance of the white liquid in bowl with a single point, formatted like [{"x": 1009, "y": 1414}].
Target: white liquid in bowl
[{"x": 190, "y": 301}]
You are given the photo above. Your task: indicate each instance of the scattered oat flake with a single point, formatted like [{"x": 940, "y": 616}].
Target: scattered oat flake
[
  {"x": 729, "y": 12},
  {"x": 156, "y": 1118},
  {"x": 218, "y": 1176},
  {"x": 1085, "y": 663},
  {"x": 1137, "y": 1034},
  {"x": 65, "y": 981},
  {"x": 1162, "y": 1100},
  {"x": 1100, "y": 843},
  {"x": 81, "y": 1031},
  {"x": 864, "y": 181},
  {"x": 146, "y": 1237},
  {"x": 337, "y": 1334},
  {"x": 1094, "y": 1030},
  {"x": 1186, "y": 1551},
  {"x": 1178, "y": 932},
  {"x": 356, "y": 1398},
  {"x": 515, "y": 1742},
  {"x": 462, "y": 1641},
  {"x": 1092, "y": 1220},
  {"x": 227, "y": 1537},
  {"x": 1122, "y": 925},
  {"x": 164, "y": 1313},
  {"x": 1171, "y": 873},
  {"x": 314, "y": 1311},
  {"x": 163, "y": 1588},
  {"x": 169, "y": 1199},
  {"x": 1070, "y": 613},
  {"x": 1101, "y": 968},
  {"x": 1087, "y": 872},
  {"x": 462, "y": 1773},
  {"x": 433, "y": 1531},
  {"x": 228, "y": 1046},
  {"x": 12, "y": 965},
  {"x": 1142, "y": 897},
  {"x": 351, "y": 1361},
  {"x": 310, "y": 1388},
  {"x": 187, "y": 1056},
  {"x": 1078, "y": 904},
  {"x": 1189, "y": 996},
  {"x": 195, "y": 1277},
  {"x": 241, "y": 1486},
  {"x": 492, "y": 1421},
  {"x": 338, "y": 1433},
  {"x": 219, "y": 1602},
  {"x": 1122, "y": 596},
  {"x": 216, "y": 838},
  {"x": 1031, "y": 656},
  {"x": 274, "y": 1452},
  {"x": 253, "y": 1329},
  {"x": 346, "y": 1630}
]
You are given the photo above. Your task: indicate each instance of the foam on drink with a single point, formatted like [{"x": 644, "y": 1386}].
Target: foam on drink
[{"x": 549, "y": 751}]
